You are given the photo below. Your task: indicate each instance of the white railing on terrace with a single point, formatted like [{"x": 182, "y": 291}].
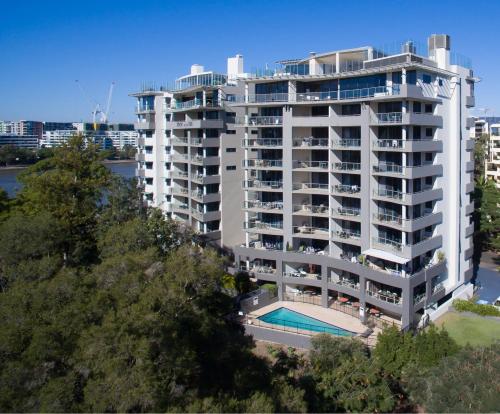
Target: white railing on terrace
[
  {"x": 274, "y": 185},
  {"x": 267, "y": 98},
  {"x": 346, "y": 142},
  {"x": 347, "y": 211},
  {"x": 310, "y": 209},
  {"x": 310, "y": 142},
  {"x": 369, "y": 92},
  {"x": 346, "y": 234},
  {"x": 397, "y": 143},
  {"x": 264, "y": 205},
  {"x": 310, "y": 164},
  {"x": 263, "y": 142},
  {"x": 388, "y": 167},
  {"x": 309, "y": 186},
  {"x": 310, "y": 230},
  {"x": 316, "y": 96},
  {"x": 389, "y": 117},
  {"x": 259, "y": 120},
  {"x": 345, "y": 188},
  {"x": 257, "y": 163},
  {"x": 347, "y": 166}
]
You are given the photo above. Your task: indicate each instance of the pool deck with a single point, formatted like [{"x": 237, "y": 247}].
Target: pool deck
[{"x": 326, "y": 315}]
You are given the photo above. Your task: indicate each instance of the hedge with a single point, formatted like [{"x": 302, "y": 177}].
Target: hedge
[{"x": 467, "y": 306}]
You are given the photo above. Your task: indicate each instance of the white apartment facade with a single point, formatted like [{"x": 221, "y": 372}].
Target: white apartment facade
[
  {"x": 189, "y": 153},
  {"x": 356, "y": 171},
  {"x": 492, "y": 164}
]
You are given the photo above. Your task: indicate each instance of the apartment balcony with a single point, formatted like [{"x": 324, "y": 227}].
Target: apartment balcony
[
  {"x": 429, "y": 218},
  {"x": 205, "y": 179},
  {"x": 258, "y": 164},
  {"x": 310, "y": 143},
  {"x": 310, "y": 232},
  {"x": 407, "y": 118},
  {"x": 144, "y": 109},
  {"x": 346, "y": 236},
  {"x": 265, "y": 98},
  {"x": 183, "y": 158},
  {"x": 258, "y": 185},
  {"x": 258, "y": 206},
  {"x": 263, "y": 143},
  {"x": 201, "y": 160},
  {"x": 262, "y": 227},
  {"x": 181, "y": 175},
  {"x": 410, "y": 172},
  {"x": 259, "y": 121},
  {"x": 204, "y": 142},
  {"x": 310, "y": 188},
  {"x": 195, "y": 124},
  {"x": 386, "y": 296},
  {"x": 346, "y": 144},
  {"x": 310, "y": 165},
  {"x": 310, "y": 210},
  {"x": 469, "y": 209},
  {"x": 407, "y": 198},
  {"x": 347, "y": 213},
  {"x": 205, "y": 216},
  {"x": 469, "y": 166},
  {"x": 400, "y": 145},
  {"x": 469, "y": 144},
  {"x": 469, "y": 230},
  {"x": 345, "y": 282},
  {"x": 144, "y": 125},
  {"x": 469, "y": 188},
  {"x": 140, "y": 157},
  {"x": 141, "y": 142},
  {"x": 311, "y": 97},
  {"x": 181, "y": 208},
  {"x": 350, "y": 167},
  {"x": 408, "y": 251},
  {"x": 347, "y": 190},
  {"x": 311, "y": 121},
  {"x": 259, "y": 271},
  {"x": 180, "y": 191},
  {"x": 302, "y": 275},
  {"x": 179, "y": 141},
  {"x": 200, "y": 197}
]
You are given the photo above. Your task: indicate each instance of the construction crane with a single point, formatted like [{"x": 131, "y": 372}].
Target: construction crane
[{"x": 97, "y": 113}]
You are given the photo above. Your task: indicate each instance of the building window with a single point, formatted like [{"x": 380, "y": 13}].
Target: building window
[
  {"x": 149, "y": 180},
  {"x": 440, "y": 82},
  {"x": 428, "y": 132},
  {"x": 428, "y": 108},
  {"x": 230, "y": 167},
  {"x": 417, "y": 107},
  {"x": 353, "y": 109},
  {"x": 230, "y": 132},
  {"x": 149, "y": 166},
  {"x": 426, "y": 78},
  {"x": 230, "y": 149}
]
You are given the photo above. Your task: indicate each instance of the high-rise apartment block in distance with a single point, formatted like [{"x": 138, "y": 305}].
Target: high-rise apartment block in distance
[
  {"x": 492, "y": 164},
  {"x": 347, "y": 173}
]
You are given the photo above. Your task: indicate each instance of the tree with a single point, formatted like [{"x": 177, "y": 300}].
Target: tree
[
  {"x": 465, "y": 382},
  {"x": 69, "y": 186}
]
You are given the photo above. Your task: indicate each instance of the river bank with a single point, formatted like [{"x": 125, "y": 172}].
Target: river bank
[{"x": 23, "y": 166}]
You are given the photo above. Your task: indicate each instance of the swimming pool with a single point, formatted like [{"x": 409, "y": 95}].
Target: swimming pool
[{"x": 286, "y": 317}]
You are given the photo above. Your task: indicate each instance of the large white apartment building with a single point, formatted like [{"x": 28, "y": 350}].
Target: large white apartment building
[
  {"x": 492, "y": 164},
  {"x": 346, "y": 174}
]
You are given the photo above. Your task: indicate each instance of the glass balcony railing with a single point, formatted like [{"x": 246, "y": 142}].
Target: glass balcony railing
[
  {"x": 347, "y": 166},
  {"x": 316, "y": 96},
  {"x": 310, "y": 209},
  {"x": 263, "y": 142},
  {"x": 257, "y": 163},
  {"x": 263, "y": 205},
  {"x": 347, "y": 211},
  {"x": 263, "y": 225},
  {"x": 309, "y": 186},
  {"x": 389, "y": 117},
  {"x": 267, "y": 98},
  {"x": 186, "y": 104},
  {"x": 310, "y": 164},
  {"x": 310, "y": 230},
  {"x": 264, "y": 185},
  {"x": 388, "y": 167},
  {"x": 347, "y": 189},
  {"x": 346, "y": 142},
  {"x": 346, "y": 234},
  {"x": 393, "y": 244},
  {"x": 310, "y": 142},
  {"x": 259, "y": 120}
]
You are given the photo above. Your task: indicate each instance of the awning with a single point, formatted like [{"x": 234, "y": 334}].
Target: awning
[{"x": 380, "y": 254}]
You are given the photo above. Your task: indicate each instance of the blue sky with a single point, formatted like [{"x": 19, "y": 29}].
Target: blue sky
[{"x": 46, "y": 45}]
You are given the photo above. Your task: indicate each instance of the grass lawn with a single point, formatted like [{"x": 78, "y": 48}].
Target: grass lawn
[{"x": 470, "y": 329}]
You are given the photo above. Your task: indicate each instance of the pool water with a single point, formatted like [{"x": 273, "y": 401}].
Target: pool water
[{"x": 290, "y": 318}]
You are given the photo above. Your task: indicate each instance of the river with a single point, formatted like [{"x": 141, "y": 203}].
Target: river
[{"x": 8, "y": 177}]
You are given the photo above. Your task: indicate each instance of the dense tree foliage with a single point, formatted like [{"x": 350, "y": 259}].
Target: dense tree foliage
[{"x": 107, "y": 306}]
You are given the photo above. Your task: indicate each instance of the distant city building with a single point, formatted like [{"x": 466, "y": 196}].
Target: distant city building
[
  {"x": 106, "y": 135},
  {"x": 22, "y": 128},
  {"x": 20, "y": 141},
  {"x": 482, "y": 126},
  {"x": 492, "y": 164}
]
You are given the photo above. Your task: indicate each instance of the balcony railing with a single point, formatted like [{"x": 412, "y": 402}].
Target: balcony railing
[
  {"x": 397, "y": 143},
  {"x": 310, "y": 142},
  {"x": 310, "y": 164},
  {"x": 257, "y": 163},
  {"x": 179, "y": 141},
  {"x": 302, "y": 274},
  {"x": 316, "y": 96},
  {"x": 267, "y": 98},
  {"x": 346, "y": 234},
  {"x": 258, "y": 184},
  {"x": 389, "y": 117},
  {"x": 395, "y": 194},
  {"x": 310, "y": 230},
  {"x": 346, "y": 211},
  {"x": 263, "y": 142},
  {"x": 389, "y": 168},
  {"x": 256, "y": 268},
  {"x": 259, "y": 120},
  {"x": 347, "y": 142},
  {"x": 186, "y": 104},
  {"x": 264, "y": 205},
  {"x": 179, "y": 174},
  {"x": 347, "y": 189},
  {"x": 393, "y": 244},
  {"x": 345, "y": 282},
  {"x": 310, "y": 209},
  {"x": 180, "y": 190},
  {"x": 309, "y": 186},
  {"x": 347, "y": 166},
  {"x": 262, "y": 225},
  {"x": 386, "y": 296}
]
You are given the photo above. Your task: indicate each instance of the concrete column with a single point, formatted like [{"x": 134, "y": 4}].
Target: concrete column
[
  {"x": 324, "y": 286},
  {"x": 403, "y": 76},
  {"x": 287, "y": 176},
  {"x": 363, "y": 314},
  {"x": 279, "y": 280}
]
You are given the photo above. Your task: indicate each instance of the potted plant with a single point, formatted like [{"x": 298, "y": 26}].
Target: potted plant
[{"x": 441, "y": 256}]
